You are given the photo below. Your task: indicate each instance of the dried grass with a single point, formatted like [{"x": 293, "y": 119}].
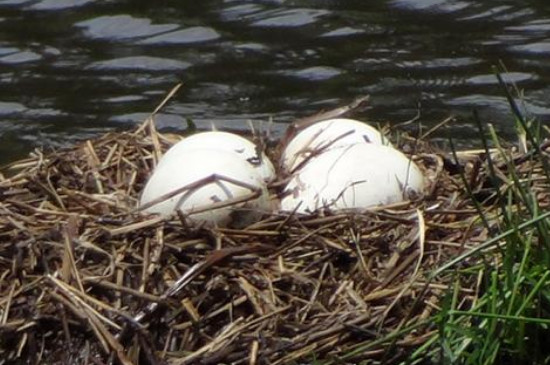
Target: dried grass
[{"x": 85, "y": 279}]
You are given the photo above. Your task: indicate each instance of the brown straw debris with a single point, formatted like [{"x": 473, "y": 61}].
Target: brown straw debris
[{"x": 85, "y": 278}]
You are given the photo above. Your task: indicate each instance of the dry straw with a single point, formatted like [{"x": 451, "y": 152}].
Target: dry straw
[{"x": 87, "y": 279}]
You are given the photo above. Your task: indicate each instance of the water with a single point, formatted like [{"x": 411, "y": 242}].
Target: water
[{"x": 74, "y": 69}]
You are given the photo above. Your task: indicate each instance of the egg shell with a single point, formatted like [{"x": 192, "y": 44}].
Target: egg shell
[
  {"x": 325, "y": 135},
  {"x": 223, "y": 141},
  {"x": 352, "y": 177},
  {"x": 191, "y": 167}
]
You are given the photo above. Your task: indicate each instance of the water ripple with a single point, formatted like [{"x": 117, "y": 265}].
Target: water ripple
[
  {"x": 121, "y": 27},
  {"x": 490, "y": 79},
  {"x": 20, "y": 57},
  {"x": 440, "y": 63},
  {"x": 7, "y": 108},
  {"x": 240, "y": 12},
  {"x": 431, "y": 6},
  {"x": 184, "y": 36},
  {"x": 316, "y": 73},
  {"x": 533, "y": 27},
  {"x": 140, "y": 63},
  {"x": 291, "y": 18},
  {"x": 535, "y": 48},
  {"x": 58, "y": 4},
  {"x": 343, "y": 32}
]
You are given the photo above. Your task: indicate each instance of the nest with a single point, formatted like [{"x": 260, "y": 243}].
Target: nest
[{"x": 86, "y": 279}]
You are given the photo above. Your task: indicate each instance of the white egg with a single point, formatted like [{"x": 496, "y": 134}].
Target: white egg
[
  {"x": 326, "y": 135},
  {"x": 223, "y": 141},
  {"x": 191, "y": 168},
  {"x": 352, "y": 177}
]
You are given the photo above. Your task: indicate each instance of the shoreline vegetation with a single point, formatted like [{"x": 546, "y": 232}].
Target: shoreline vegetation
[{"x": 459, "y": 276}]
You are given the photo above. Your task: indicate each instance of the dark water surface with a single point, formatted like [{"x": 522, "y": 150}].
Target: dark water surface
[{"x": 73, "y": 69}]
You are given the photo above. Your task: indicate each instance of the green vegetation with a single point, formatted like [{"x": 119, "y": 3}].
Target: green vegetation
[{"x": 510, "y": 321}]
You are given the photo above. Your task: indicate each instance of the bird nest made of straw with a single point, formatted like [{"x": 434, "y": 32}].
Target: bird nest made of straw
[{"x": 85, "y": 279}]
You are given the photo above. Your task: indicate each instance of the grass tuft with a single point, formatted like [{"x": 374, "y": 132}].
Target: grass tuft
[{"x": 510, "y": 320}]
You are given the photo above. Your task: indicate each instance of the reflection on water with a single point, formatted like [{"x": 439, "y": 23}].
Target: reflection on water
[{"x": 72, "y": 69}]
